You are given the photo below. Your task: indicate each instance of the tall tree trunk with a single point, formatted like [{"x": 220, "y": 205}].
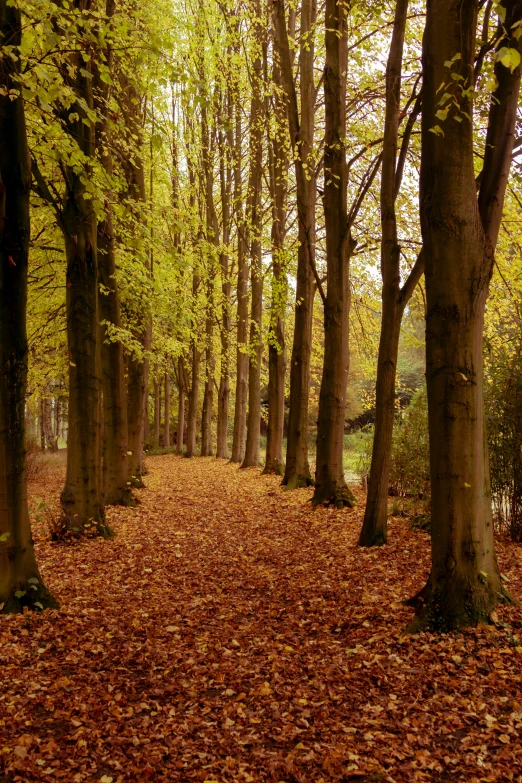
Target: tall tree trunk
[
  {"x": 137, "y": 361},
  {"x": 255, "y": 220},
  {"x": 241, "y": 392},
  {"x": 41, "y": 428},
  {"x": 330, "y": 486},
  {"x": 166, "y": 426},
  {"x": 115, "y": 441},
  {"x": 297, "y": 469},
  {"x": 157, "y": 410},
  {"x": 193, "y": 402},
  {"x": 459, "y": 236},
  {"x": 212, "y": 236},
  {"x": 394, "y": 298},
  {"x": 278, "y": 157},
  {"x": 226, "y": 147},
  {"x": 57, "y": 419},
  {"x": 20, "y": 581},
  {"x": 180, "y": 432},
  {"x": 208, "y": 399},
  {"x": 82, "y": 496},
  {"x": 208, "y": 391},
  {"x": 51, "y": 442}
]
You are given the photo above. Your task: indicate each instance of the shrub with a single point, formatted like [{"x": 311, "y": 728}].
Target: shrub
[
  {"x": 410, "y": 464},
  {"x": 504, "y": 414}
]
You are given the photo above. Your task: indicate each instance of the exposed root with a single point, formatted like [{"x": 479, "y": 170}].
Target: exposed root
[
  {"x": 340, "y": 497},
  {"x": 68, "y": 529},
  {"x": 453, "y": 606},
  {"x": 28, "y": 594},
  {"x": 274, "y": 469},
  {"x": 296, "y": 481},
  {"x": 374, "y": 538},
  {"x": 126, "y": 498}
]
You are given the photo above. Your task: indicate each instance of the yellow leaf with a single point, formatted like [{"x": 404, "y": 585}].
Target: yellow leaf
[
  {"x": 265, "y": 689},
  {"x": 504, "y": 738}
]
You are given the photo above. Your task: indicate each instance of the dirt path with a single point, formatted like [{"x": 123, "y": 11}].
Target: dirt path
[{"x": 231, "y": 633}]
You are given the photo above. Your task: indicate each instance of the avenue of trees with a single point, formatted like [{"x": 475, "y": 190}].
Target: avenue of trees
[{"x": 233, "y": 221}]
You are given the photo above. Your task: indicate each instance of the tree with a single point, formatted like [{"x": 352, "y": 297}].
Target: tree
[
  {"x": 82, "y": 495},
  {"x": 241, "y": 392},
  {"x": 20, "y": 580},
  {"x": 459, "y": 235},
  {"x": 226, "y": 146},
  {"x": 278, "y": 178},
  {"x": 254, "y": 218},
  {"x": 301, "y": 128},
  {"x": 394, "y": 296},
  {"x": 115, "y": 470},
  {"x": 138, "y": 359}
]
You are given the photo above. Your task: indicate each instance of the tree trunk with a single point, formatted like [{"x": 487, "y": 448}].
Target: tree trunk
[
  {"x": 464, "y": 585},
  {"x": 193, "y": 403},
  {"x": 115, "y": 458},
  {"x": 297, "y": 469},
  {"x": 394, "y": 299},
  {"x": 57, "y": 419},
  {"x": 180, "y": 433},
  {"x": 137, "y": 361},
  {"x": 255, "y": 217},
  {"x": 208, "y": 392},
  {"x": 226, "y": 147},
  {"x": 51, "y": 441},
  {"x": 224, "y": 380},
  {"x": 166, "y": 426},
  {"x": 41, "y": 428},
  {"x": 20, "y": 581},
  {"x": 241, "y": 392},
  {"x": 330, "y": 486},
  {"x": 157, "y": 411},
  {"x": 136, "y": 399},
  {"x": 278, "y": 157},
  {"x": 212, "y": 237},
  {"x": 82, "y": 496}
]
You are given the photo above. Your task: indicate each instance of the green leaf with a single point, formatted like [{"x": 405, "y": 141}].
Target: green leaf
[
  {"x": 510, "y": 58},
  {"x": 501, "y": 11},
  {"x": 437, "y": 130},
  {"x": 20, "y": 593},
  {"x": 5, "y": 536},
  {"x": 33, "y": 581}
]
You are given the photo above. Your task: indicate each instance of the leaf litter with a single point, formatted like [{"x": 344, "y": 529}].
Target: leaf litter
[{"x": 231, "y": 633}]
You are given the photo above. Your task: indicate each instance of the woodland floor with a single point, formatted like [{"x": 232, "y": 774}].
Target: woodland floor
[{"x": 230, "y": 633}]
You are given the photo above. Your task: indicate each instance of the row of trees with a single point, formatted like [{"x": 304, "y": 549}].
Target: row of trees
[{"x": 174, "y": 174}]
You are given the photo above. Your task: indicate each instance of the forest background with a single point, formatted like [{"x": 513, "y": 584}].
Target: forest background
[{"x": 185, "y": 281}]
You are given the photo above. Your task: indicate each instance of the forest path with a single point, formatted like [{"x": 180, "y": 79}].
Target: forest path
[{"x": 230, "y": 632}]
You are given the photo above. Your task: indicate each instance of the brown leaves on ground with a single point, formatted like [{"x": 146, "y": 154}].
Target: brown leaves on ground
[{"x": 232, "y": 633}]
